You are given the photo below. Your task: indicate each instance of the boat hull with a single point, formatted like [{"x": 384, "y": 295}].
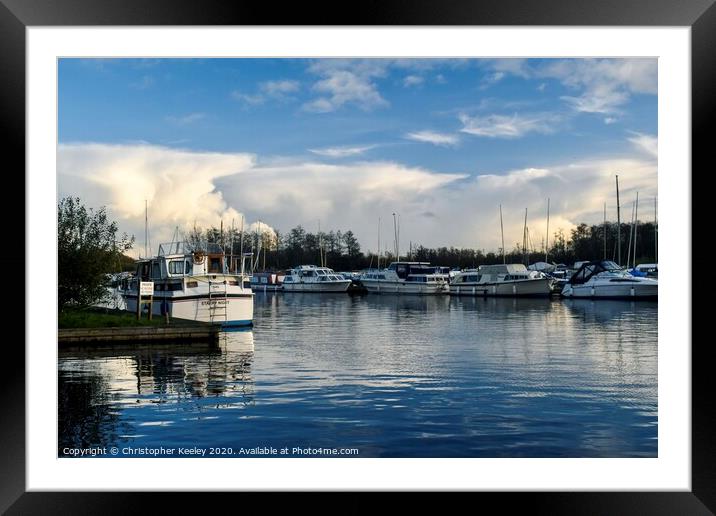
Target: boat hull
[
  {"x": 528, "y": 288},
  {"x": 636, "y": 290},
  {"x": 232, "y": 310},
  {"x": 390, "y": 287},
  {"x": 317, "y": 287}
]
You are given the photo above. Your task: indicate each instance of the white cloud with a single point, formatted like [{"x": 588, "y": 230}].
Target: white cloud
[
  {"x": 279, "y": 88},
  {"x": 341, "y": 87},
  {"x": 601, "y": 85},
  {"x": 442, "y": 139},
  {"x": 412, "y": 80},
  {"x": 502, "y": 126},
  {"x": 179, "y": 185},
  {"x": 436, "y": 208},
  {"x": 341, "y": 152},
  {"x": 645, "y": 143},
  {"x": 251, "y": 100}
]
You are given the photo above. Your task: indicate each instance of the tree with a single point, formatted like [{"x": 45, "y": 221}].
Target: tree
[{"x": 87, "y": 250}]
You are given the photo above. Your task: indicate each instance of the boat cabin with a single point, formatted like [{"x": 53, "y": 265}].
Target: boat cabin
[
  {"x": 591, "y": 269},
  {"x": 405, "y": 269}
]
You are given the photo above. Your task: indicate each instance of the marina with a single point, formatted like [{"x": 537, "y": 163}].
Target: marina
[{"x": 392, "y": 376}]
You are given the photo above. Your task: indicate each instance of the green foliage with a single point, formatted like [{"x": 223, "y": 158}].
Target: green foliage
[{"x": 87, "y": 250}]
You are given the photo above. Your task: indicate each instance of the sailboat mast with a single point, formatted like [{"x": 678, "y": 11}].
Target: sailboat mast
[
  {"x": 636, "y": 226},
  {"x": 619, "y": 228},
  {"x": 546, "y": 245},
  {"x": 631, "y": 233},
  {"x": 395, "y": 237},
  {"x": 502, "y": 232},
  {"x": 146, "y": 232},
  {"x": 241, "y": 245},
  {"x": 379, "y": 243},
  {"x": 605, "y": 231},
  {"x": 524, "y": 239},
  {"x": 656, "y": 234}
]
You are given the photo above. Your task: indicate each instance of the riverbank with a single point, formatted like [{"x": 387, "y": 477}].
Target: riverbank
[{"x": 104, "y": 326}]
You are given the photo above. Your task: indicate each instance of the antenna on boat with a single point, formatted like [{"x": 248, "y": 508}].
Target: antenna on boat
[
  {"x": 619, "y": 227},
  {"x": 636, "y": 226},
  {"x": 502, "y": 232},
  {"x": 546, "y": 245}
]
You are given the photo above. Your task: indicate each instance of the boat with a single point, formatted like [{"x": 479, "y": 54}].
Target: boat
[
  {"x": 195, "y": 282},
  {"x": 267, "y": 281},
  {"x": 604, "y": 279},
  {"x": 309, "y": 278},
  {"x": 406, "y": 278},
  {"x": 512, "y": 279}
]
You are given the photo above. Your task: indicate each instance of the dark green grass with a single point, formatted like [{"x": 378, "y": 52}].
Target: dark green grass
[{"x": 106, "y": 318}]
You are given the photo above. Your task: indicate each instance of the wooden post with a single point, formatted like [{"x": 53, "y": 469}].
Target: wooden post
[{"x": 139, "y": 303}]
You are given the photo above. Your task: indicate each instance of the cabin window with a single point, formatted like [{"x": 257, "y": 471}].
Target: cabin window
[
  {"x": 192, "y": 284},
  {"x": 176, "y": 266},
  {"x": 215, "y": 265},
  {"x": 155, "y": 270},
  {"x": 309, "y": 274},
  {"x": 233, "y": 282},
  {"x": 187, "y": 267},
  {"x": 288, "y": 279},
  {"x": 247, "y": 284}
]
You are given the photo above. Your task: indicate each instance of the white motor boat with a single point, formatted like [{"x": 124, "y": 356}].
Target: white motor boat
[
  {"x": 309, "y": 278},
  {"x": 512, "y": 279},
  {"x": 194, "y": 282},
  {"x": 606, "y": 280},
  {"x": 406, "y": 278}
]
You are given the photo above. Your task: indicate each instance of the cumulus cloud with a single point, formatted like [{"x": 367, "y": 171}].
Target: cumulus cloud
[
  {"x": 179, "y": 186},
  {"x": 502, "y": 126},
  {"x": 436, "y": 207},
  {"x": 278, "y": 90},
  {"x": 441, "y": 139}
]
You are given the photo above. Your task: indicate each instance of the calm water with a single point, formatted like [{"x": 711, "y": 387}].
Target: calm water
[{"x": 390, "y": 376}]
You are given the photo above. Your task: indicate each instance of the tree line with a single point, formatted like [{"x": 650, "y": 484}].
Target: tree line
[
  {"x": 341, "y": 251},
  {"x": 89, "y": 249}
]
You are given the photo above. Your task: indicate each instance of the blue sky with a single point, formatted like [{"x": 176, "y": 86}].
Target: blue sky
[{"x": 289, "y": 141}]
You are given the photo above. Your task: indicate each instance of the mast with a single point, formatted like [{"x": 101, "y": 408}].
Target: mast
[
  {"x": 524, "y": 239},
  {"x": 502, "y": 232},
  {"x": 379, "y": 243},
  {"x": 619, "y": 228},
  {"x": 146, "y": 232},
  {"x": 546, "y": 245},
  {"x": 605, "y": 230},
  {"x": 631, "y": 232},
  {"x": 395, "y": 236},
  {"x": 231, "y": 249},
  {"x": 656, "y": 234},
  {"x": 636, "y": 226},
  {"x": 241, "y": 245}
]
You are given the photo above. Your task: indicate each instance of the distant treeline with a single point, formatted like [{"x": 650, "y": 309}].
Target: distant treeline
[{"x": 341, "y": 251}]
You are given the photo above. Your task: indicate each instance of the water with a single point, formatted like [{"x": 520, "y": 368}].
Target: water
[{"x": 390, "y": 376}]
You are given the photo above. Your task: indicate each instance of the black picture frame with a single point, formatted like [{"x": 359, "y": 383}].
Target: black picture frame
[{"x": 17, "y": 15}]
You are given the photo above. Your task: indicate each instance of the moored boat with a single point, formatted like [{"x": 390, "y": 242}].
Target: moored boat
[
  {"x": 309, "y": 278},
  {"x": 606, "y": 280},
  {"x": 406, "y": 278},
  {"x": 194, "y": 282},
  {"x": 511, "y": 279}
]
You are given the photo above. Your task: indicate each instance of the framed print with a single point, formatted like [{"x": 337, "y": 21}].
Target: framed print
[{"x": 532, "y": 156}]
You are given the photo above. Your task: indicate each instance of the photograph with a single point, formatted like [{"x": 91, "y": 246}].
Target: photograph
[{"x": 358, "y": 257}]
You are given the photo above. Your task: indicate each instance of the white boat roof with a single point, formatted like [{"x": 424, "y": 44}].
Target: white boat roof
[{"x": 509, "y": 268}]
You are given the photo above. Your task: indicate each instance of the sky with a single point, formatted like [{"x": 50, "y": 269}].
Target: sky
[{"x": 442, "y": 143}]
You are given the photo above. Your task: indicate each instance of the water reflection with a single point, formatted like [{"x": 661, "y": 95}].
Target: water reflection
[{"x": 397, "y": 376}]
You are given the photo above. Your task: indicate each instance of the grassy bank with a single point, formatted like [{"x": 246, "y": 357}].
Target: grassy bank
[{"x": 105, "y": 318}]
